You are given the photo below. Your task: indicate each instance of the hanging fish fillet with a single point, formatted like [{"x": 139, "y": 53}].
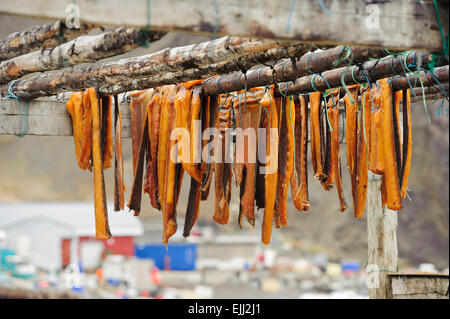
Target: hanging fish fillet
[
  {"x": 151, "y": 174},
  {"x": 351, "y": 129},
  {"x": 397, "y": 130},
  {"x": 221, "y": 171},
  {"x": 362, "y": 176},
  {"x": 173, "y": 179},
  {"x": 285, "y": 156},
  {"x": 208, "y": 122},
  {"x": 101, "y": 211},
  {"x": 249, "y": 117},
  {"x": 167, "y": 101},
  {"x": 389, "y": 154},
  {"x": 193, "y": 207},
  {"x": 271, "y": 172},
  {"x": 407, "y": 142},
  {"x": 316, "y": 139},
  {"x": 75, "y": 108},
  {"x": 86, "y": 140},
  {"x": 333, "y": 114},
  {"x": 136, "y": 191},
  {"x": 330, "y": 156},
  {"x": 108, "y": 152},
  {"x": 297, "y": 174},
  {"x": 304, "y": 154},
  {"x": 119, "y": 186},
  {"x": 138, "y": 106}
]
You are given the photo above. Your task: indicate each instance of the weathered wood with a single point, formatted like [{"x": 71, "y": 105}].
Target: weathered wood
[
  {"x": 289, "y": 69},
  {"x": 175, "y": 65},
  {"x": 47, "y": 116},
  {"x": 410, "y": 24},
  {"x": 79, "y": 50},
  {"x": 419, "y": 286},
  {"x": 374, "y": 70},
  {"x": 382, "y": 241},
  {"x": 38, "y": 37}
]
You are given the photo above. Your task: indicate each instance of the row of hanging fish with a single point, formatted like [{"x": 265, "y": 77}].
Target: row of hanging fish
[{"x": 264, "y": 165}]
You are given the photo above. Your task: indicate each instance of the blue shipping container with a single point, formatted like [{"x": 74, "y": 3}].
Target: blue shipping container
[{"x": 176, "y": 257}]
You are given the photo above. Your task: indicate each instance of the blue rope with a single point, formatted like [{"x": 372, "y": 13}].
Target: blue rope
[
  {"x": 324, "y": 8},
  {"x": 291, "y": 11},
  {"x": 23, "y": 117}
]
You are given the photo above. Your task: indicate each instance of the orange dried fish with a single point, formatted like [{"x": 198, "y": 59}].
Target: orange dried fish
[
  {"x": 407, "y": 142},
  {"x": 101, "y": 212},
  {"x": 390, "y": 163},
  {"x": 119, "y": 186},
  {"x": 271, "y": 167},
  {"x": 285, "y": 156},
  {"x": 316, "y": 147},
  {"x": 362, "y": 176},
  {"x": 108, "y": 152},
  {"x": 351, "y": 129}
]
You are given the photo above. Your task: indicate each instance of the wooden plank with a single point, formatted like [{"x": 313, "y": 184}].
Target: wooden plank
[
  {"x": 47, "y": 116},
  {"x": 394, "y": 24},
  {"x": 382, "y": 241},
  {"x": 419, "y": 286}
]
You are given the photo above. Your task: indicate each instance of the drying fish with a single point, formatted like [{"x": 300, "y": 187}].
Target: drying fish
[
  {"x": 330, "y": 159},
  {"x": 101, "y": 211},
  {"x": 248, "y": 119},
  {"x": 351, "y": 129},
  {"x": 396, "y": 121},
  {"x": 285, "y": 156},
  {"x": 75, "y": 108},
  {"x": 271, "y": 166},
  {"x": 138, "y": 106},
  {"x": 119, "y": 186},
  {"x": 222, "y": 170},
  {"x": 316, "y": 138},
  {"x": 391, "y": 177},
  {"x": 193, "y": 206},
  {"x": 151, "y": 174},
  {"x": 107, "y": 125},
  {"x": 333, "y": 114},
  {"x": 407, "y": 142},
  {"x": 362, "y": 177}
]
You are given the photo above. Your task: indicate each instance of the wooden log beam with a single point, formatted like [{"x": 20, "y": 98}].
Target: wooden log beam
[
  {"x": 289, "y": 70},
  {"x": 382, "y": 242},
  {"x": 374, "y": 70},
  {"x": 79, "y": 50},
  {"x": 175, "y": 65},
  {"x": 47, "y": 117},
  {"x": 39, "y": 37},
  {"x": 409, "y": 24}
]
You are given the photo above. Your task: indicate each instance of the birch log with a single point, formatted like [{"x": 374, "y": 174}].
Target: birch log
[
  {"x": 79, "y": 50},
  {"x": 213, "y": 57},
  {"x": 373, "y": 70},
  {"x": 290, "y": 69},
  {"x": 39, "y": 37}
]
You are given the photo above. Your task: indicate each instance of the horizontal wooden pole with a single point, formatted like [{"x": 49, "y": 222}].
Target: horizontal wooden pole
[
  {"x": 289, "y": 69},
  {"x": 80, "y": 50},
  {"x": 47, "y": 117},
  {"x": 394, "y": 24},
  {"x": 373, "y": 70},
  {"x": 38, "y": 37},
  {"x": 201, "y": 60}
]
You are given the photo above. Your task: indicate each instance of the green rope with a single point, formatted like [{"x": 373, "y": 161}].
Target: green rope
[
  {"x": 445, "y": 43},
  {"x": 417, "y": 73},
  {"x": 23, "y": 116}
]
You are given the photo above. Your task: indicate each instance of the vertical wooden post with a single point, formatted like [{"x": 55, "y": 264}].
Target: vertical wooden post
[{"x": 382, "y": 242}]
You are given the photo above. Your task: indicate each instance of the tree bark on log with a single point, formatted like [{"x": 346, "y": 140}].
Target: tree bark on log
[
  {"x": 202, "y": 60},
  {"x": 39, "y": 37},
  {"x": 373, "y": 70},
  {"x": 289, "y": 70},
  {"x": 79, "y": 50}
]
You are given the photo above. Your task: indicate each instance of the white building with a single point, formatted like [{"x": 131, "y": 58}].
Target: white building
[{"x": 51, "y": 235}]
